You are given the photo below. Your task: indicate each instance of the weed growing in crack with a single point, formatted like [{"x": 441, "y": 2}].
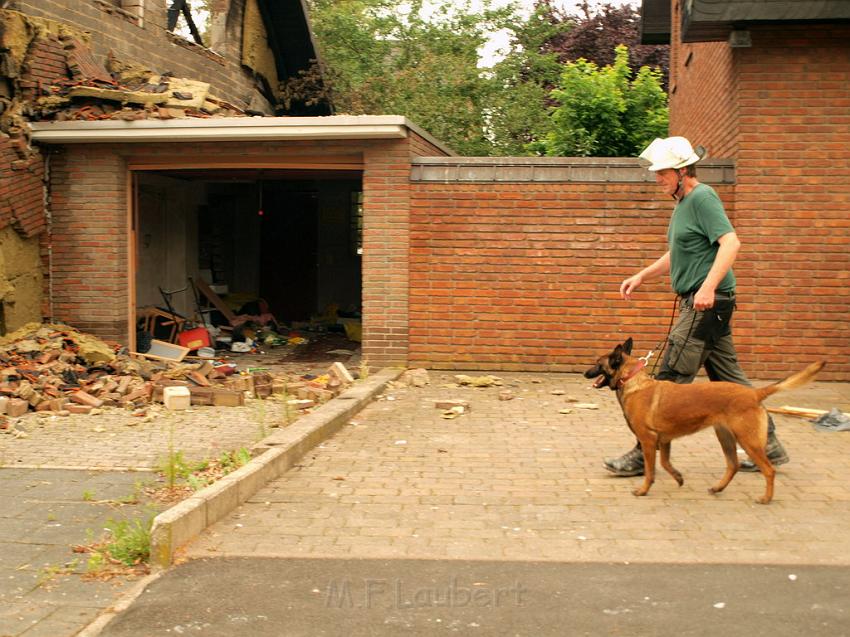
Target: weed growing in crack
[
  {"x": 51, "y": 572},
  {"x": 127, "y": 542},
  {"x": 231, "y": 461}
]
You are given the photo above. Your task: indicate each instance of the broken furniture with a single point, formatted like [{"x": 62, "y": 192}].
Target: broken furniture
[
  {"x": 204, "y": 288},
  {"x": 155, "y": 321}
]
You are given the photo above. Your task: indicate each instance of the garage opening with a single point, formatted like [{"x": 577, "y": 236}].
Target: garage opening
[{"x": 257, "y": 255}]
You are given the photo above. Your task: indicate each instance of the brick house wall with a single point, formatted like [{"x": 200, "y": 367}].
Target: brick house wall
[
  {"x": 790, "y": 102},
  {"x": 515, "y": 263},
  {"x": 703, "y": 93},
  {"x": 22, "y": 221},
  {"x": 88, "y": 267},
  {"x": 386, "y": 224},
  {"x": 387, "y": 247}
]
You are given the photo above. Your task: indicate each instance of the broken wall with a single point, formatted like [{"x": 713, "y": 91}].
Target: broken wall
[
  {"x": 21, "y": 186},
  {"x": 147, "y": 42},
  {"x": 22, "y": 192},
  {"x": 20, "y": 280}
]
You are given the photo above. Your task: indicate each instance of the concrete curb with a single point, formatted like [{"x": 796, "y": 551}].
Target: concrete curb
[{"x": 181, "y": 523}]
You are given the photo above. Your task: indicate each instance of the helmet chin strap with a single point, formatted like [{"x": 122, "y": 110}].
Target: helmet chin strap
[{"x": 679, "y": 185}]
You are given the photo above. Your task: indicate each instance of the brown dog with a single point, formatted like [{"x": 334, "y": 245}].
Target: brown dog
[{"x": 659, "y": 411}]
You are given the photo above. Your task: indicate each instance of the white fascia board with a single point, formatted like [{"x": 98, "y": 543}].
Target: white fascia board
[{"x": 224, "y": 129}]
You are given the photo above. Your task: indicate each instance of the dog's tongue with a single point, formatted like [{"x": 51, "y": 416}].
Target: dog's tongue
[{"x": 598, "y": 382}]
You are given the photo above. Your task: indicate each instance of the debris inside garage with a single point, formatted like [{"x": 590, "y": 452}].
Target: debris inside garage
[{"x": 57, "y": 369}]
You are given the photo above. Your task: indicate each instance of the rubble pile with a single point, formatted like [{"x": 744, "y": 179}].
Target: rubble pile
[
  {"x": 56, "y": 368},
  {"x": 158, "y": 97},
  {"x": 123, "y": 90}
]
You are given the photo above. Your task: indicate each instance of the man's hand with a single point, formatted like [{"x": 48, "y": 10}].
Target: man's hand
[
  {"x": 630, "y": 285},
  {"x": 703, "y": 299}
]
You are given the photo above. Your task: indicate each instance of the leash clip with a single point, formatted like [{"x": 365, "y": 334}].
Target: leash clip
[{"x": 646, "y": 358}]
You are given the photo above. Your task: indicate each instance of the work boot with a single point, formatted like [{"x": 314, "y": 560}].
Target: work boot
[
  {"x": 775, "y": 453},
  {"x": 629, "y": 464}
]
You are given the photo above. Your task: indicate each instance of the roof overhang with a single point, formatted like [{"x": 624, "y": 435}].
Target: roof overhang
[
  {"x": 225, "y": 129},
  {"x": 714, "y": 20},
  {"x": 655, "y": 22}
]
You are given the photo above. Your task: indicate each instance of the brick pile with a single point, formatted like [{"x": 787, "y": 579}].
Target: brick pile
[{"x": 58, "y": 369}]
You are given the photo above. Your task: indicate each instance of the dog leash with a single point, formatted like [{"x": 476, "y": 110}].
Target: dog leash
[{"x": 663, "y": 343}]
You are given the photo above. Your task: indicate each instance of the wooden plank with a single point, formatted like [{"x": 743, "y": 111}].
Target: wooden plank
[
  {"x": 123, "y": 96},
  {"x": 802, "y": 412},
  {"x": 215, "y": 299}
]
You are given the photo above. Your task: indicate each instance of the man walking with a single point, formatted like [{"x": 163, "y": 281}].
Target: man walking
[{"x": 702, "y": 248}]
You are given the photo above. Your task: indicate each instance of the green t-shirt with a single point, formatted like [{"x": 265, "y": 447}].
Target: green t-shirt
[{"x": 697, "y": 222}]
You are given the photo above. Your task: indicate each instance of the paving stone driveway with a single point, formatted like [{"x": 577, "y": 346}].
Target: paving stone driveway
[
  {"x": 518, "y": 480},
  {"x": 56, "y": 485}
]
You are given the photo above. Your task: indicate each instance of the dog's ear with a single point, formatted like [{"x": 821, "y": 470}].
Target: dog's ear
[
  {"x": 615, "y": 358},
  {"x": 627, "y": 346}
]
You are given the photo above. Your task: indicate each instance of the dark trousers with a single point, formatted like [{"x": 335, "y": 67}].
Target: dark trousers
[{"x": 704, "y": 339}]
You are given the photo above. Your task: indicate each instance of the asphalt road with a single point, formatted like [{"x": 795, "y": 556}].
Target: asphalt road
[{"x": 289, "y": 597}]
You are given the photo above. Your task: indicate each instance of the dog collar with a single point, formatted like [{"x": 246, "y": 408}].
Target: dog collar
[{"x": 622, "y": 381}]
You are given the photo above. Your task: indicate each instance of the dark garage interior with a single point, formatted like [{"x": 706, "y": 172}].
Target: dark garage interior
[{"x": 289, "y": 237}]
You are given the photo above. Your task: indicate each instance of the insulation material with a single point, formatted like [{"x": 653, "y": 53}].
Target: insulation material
[
  {"x": 256, "y": 53},
  {"x": 20, "y": 278}
]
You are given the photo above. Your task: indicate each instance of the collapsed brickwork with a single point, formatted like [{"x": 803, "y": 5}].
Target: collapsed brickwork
[
  {"x": 22, "y": 190},
  {"x": 51, "y": 53}
]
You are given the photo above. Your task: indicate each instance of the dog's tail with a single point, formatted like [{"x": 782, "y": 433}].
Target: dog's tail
[{"x": 796, "y": 380}]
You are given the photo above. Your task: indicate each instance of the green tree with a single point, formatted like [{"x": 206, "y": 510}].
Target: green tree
[
  {"x": 391, "y": 57},
  {"x": 518, "y": 108},
  {"x": 604, "y": 112}
]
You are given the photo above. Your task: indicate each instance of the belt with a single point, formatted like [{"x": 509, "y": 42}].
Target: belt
[{"x": 722, "y": 295}]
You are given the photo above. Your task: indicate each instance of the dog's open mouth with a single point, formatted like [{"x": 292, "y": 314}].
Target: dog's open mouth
[{"x": 600, "y": 381}]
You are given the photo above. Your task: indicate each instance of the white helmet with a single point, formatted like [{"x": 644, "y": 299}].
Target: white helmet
[{"x": 672, "y": 152}]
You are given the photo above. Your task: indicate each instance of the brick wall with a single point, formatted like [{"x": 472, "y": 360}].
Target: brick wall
[
  {"x": 21, "y": 186},
  {"x": 88, "y": 241},
  {"x": 524, "y": 275},
  {"x": 468, "y": 265},
  {"x": 784, "y": 116},
  {"x": 149, "y": 43},
  {"x": 386, "y": 249},
  {"x": 703, "y": 94},
  {"x": 46, "y": 64},
  {"x": 793, "y": 192}
]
